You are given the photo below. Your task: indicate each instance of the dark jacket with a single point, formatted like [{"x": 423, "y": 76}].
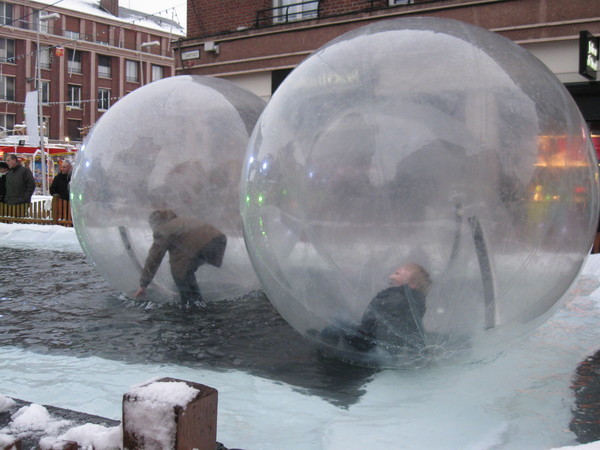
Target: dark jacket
[
  {"x": 20, "y": 185},
  {"x": 393, "y": 319},
  {"x": 60, "y": 185},
  {"x": 2, "y": 187},
  {"x": 184, "y": 238}
]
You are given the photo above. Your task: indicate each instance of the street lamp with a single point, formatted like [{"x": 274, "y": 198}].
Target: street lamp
[
  {"x": 39, "y": 91},
  {"x": 145, "y": 45}
]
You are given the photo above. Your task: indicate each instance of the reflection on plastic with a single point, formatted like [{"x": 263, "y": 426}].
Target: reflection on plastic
[
  {"x": 463, "y": 154},
  {"x": 175, "y": 144}
]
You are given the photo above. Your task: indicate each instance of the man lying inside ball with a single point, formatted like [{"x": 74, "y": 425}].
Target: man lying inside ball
[
  {"x": 392, "y": 321},
  {"x": 394, "y": 318},
  {"x": 190, "y": 243}
]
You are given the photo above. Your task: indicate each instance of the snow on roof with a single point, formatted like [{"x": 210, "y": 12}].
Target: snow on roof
[{"x": 126, "y": 15}]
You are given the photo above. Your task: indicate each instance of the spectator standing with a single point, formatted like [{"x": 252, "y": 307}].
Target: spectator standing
[
  {"x": 20, "y": 183},
  {"x": 60, "y": 183},
  {"x": 3, "y": 171}
]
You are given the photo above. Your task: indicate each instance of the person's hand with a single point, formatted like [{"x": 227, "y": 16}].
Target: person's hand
[{"x": 140, "y": 292}]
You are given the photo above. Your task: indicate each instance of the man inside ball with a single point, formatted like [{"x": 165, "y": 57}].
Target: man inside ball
[{"x": 190, "y": 243}]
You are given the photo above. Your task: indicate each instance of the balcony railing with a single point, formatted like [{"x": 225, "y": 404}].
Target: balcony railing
[
  {"x": 288, "y": 13},
  {"x": 313, "y": 9}
]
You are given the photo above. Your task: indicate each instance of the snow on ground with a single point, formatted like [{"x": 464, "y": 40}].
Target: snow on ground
[{"x": 520, "y": 400}]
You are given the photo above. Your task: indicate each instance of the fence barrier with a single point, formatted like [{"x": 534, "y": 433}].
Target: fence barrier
[{"x": 38, "y": 212}]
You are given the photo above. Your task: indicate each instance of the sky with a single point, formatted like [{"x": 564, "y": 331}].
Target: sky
[{"x": 156, "y": 6}]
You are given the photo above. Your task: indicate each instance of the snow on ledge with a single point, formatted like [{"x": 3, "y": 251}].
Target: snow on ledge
[{"x": 54, "y": 237}]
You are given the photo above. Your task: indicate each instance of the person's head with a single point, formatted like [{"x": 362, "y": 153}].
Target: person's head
[
  {"x": 3, "y": 167},
  {"x": 65, "y": 167},
  {"x": 160, "y": 216},
  {"x": 413, "y": 275},
  {"x": 12, "y": 161}
]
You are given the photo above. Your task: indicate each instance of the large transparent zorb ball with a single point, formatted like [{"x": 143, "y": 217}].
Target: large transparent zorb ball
[
  {"x": 423, "y": 141},
  {"x": 173, "y": 145}
]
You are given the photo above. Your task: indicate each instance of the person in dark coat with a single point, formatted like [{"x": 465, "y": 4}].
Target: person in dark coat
[
  {"x": 20, "y": 183},
  {"x": 394, "y": 318},
  {"x": 60, "y": 183},
  {"x": 3, "y": 171},
  {"x": 190, "y": 243}
]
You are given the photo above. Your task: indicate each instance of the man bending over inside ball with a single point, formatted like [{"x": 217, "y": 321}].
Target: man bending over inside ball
[
  {"x": 190, "y": 243},
  {"x": 394, "y": 318}
]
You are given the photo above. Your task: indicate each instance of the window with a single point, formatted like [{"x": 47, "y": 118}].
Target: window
[
  {"x": 7, "y": 121},
  {"x": 72, "y": 27},
  {"x": 6, "y": 13},
  {"x": 45, "y": 92},
  {"x": 290, "y": 10},
  {"x": 7, "y": 50},
  {"x": 157, "y": 73},
  {"x": 131, "y": 71},
  {"x": 45, "y": 57},
  {"x": 103, "y": 99},
  {"x": 102, "y": 33},
  {"x": 45, "y": 26},
  {"x": 74, "y": 96},
  {"x": 104, "y": 66},
  {"x": 401, "y": 2},
  {"x": 74, "y": 64},
  {"x": 74, "y": 129},
  {"x": 71, "y": 34},
  {"x": 7, "y": 88}
]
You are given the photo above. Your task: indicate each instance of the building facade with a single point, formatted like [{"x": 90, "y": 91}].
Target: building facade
[
  {"x": 89, "y": 58},
  {"x": 256, "y": 43}
]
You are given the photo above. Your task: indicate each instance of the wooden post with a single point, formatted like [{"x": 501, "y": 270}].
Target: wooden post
[
  {"x": 66, "y": 445},
  {"x": 55, "y": 212},
  {"x": 596, "y": 247},
  {"x": 154, "y": 416},
  {"x": 11, "y": 444}
]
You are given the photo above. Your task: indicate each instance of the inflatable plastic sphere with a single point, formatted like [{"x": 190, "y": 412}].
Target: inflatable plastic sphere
[
  {"x": 174, "y": 145},
  {"x": 427, "y": 142}
]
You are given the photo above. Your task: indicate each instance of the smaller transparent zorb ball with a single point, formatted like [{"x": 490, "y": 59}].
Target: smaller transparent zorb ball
[
  {"x": 176, "y": 146},
  {"x": 426, "y": 143}
]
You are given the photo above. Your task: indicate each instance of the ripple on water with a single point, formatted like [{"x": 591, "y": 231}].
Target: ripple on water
[{"x": 55, "y": 302}]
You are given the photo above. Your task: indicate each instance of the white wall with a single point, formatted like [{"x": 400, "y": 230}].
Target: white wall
[
  {"x": 258, "y": 83},
  {"x": 561, "y": 57}
]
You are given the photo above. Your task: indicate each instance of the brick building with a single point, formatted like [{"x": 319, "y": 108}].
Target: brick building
[
  {"x": 256, "y": 43},
  {"x": 91, "y": 55}
]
